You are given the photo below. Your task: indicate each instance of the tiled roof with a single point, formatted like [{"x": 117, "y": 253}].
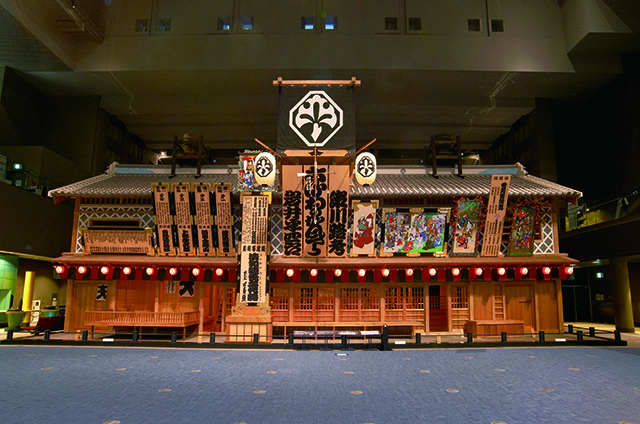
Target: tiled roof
[
  {"x": 131, "y": 181},
  {"x": 446, "y": 185}
]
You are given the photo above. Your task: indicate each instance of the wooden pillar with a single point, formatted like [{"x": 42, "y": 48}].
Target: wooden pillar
[
  {"x": 621, "y": 291},
  {"x": 201, "y": 309},
  {"x": 536, "y": 312},
  {"x": 70, "y": 303},
  {"x": 291, "y": 301},
  {"x": 471, "y": 311},
  {"x": 560, "y": 307},
  {"x": 156, "y": 306},
  {"x": 336, "y": 307},
  {"x": 383, "y": 304},
  {"x": 426, "y": 309},
  {"x": 449, "y": 312}
]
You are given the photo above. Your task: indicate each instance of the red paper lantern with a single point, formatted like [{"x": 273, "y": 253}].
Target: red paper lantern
[
  {"x": 82, "y": 269},
  {"x": 126, "y": 270},
  {"x": 408, "y": 272},
  {"x": 289, "y": 273},
  {"x": 524, "y": 271},
  {"x": 219, "y": 272},
  {"x": 385, "y": 272},
  {"x": 568, "y": 270},
  {"x": 455, "y": 271},
  {"x": 433, "y": 272},
  {"x": 546, "y": 270},
  {"x": 314, "y": 272},
  {"x": 173, "y": 271},
  {"x": 337, "y": 272},
  {"x": 195, "y": 272},
  {"x": 104, "y": 270},
  {"x": 149, "y": 271},
  {"x": 361, "y": 272},
  {"x": 59, "y": 269},
  {"x": 502, "y": 271},
  {"x": 478, "y": 271}
]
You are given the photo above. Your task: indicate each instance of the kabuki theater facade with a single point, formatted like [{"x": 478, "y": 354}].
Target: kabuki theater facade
[{"x": 313, "y": 235}]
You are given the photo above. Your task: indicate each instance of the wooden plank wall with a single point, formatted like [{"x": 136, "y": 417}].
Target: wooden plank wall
[{"x": 482, "y": 301}]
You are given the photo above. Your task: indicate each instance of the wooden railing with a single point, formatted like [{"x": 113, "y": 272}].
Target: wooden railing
[{"x": 141, "y": 318}]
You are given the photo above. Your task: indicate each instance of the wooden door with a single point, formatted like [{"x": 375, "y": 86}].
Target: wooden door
[
  {"x": 438, "y": 309},
  {"x": 519, "y": 305}
]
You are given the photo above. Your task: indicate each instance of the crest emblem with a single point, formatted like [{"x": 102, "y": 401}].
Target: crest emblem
[
  {"x": 316, "y": 118},
  {"x": 365, "y": 169},
  {"x": 265, "y": 168}
]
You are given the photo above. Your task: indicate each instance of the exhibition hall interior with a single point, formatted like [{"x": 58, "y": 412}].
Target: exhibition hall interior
[{"x": 424, "y": 187}]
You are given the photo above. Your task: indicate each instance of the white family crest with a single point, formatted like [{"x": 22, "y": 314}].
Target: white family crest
[{"x": 316, "y": 118}]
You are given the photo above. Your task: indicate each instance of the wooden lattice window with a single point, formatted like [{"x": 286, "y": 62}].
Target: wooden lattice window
[
  {"x": 279, "y": 298},
  {"x": 304, "y": 299},
  {"x": 370, "y": 297},
  {"x": 231, "y": 299},
  {"x": 393, "y": 298},
  {"x": 414, "y": 297},
  {"x": 325, "y": 300},
  {"x": 349, "y": 298},
  {"x": 460, "y": 297}
]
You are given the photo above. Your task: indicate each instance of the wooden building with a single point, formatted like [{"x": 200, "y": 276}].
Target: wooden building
[{"x": 120, "y": 275}]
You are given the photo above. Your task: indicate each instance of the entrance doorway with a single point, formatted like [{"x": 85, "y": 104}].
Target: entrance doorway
[{"x": 438, "y": 309}]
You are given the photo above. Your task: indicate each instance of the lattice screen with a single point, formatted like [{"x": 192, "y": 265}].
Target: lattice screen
[{"x": 143, "y": 213}]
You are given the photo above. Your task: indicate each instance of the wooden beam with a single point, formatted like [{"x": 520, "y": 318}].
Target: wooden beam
[{"x": 352, "y": 82}]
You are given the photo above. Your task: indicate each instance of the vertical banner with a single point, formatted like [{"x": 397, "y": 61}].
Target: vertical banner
[
  {"x": 496, "y": 209},
  {"x": 523, "y": 230},
  {"x": 253, "y": 254},
  {"x": 338, "y": 210},
  {"x": 163, "y": 218},
  {"x": 467, "y": 215},
  {"x": 292, "y": 205},
  {"x": 183, "y": 218},
  {"x": 203, "y": 218},
  {"x": 224, "y": 220},
  {"x": 315, "y": 211},
  {"x": 364, "y": 230}
]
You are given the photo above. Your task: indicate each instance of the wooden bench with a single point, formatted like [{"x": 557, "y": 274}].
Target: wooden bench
[
  {"x": 141, "y": 319},
  {"x": 484, "y": 328}
]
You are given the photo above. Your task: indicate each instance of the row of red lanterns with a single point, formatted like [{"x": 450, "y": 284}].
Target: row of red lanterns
[
  {"x": 433, "y": 271},
  {"x": 60, "y": 269},
  {"x": 104, "y": 270}
]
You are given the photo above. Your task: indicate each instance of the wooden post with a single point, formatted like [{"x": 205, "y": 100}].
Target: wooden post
[
  {"x": 471, "y": 297},
  {"x": 426, "y": 309},
  {"x": 449, "y": 312},
  {"x": 560, "y": 307},
  {"x": 536, "y": 305},
  {"x": 201, "y": 309},
  {"x": 70, "y": 309},
  {"x": 76, "y": 217}
]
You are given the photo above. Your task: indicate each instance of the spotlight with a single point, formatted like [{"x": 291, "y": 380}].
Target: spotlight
[
  {"x": 289, "y": 273},
  {"x": 408, "y": 272},
  {"x": 59, "y": 269},
  {"x": 314, "y": 272},
  {"x": 149, "y": 271},
  {"x": 126, "y": 270},
  {"x": 219, "y": 272},
  {"x": 502, "y": 271},
  {"x": 337, "y": 272},
  {"x": 104, "y": 270},
  {"x": 385, "y": 272},
  {"x": 361, "y": 272},
  {"x": 433, "y": 272},
  {"x": 478, "y": 271},
  {"x": 82, "y": 269},
  {"x": 455, "y": 271},
  {"x": 173, "y": 271}
]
